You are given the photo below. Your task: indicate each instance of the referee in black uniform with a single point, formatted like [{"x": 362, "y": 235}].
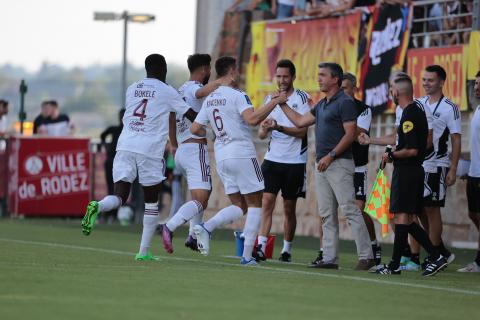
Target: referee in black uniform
[{"x": 407, "y": 180}]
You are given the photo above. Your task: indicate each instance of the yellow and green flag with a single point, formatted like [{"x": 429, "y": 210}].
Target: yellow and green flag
[{"x": 378, "y": 203}]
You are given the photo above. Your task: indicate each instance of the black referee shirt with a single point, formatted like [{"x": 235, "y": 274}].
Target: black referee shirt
[{"x": 412, "y": 134}]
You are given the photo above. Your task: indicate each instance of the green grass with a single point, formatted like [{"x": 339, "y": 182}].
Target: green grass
[{"x": 49, "y": 270}]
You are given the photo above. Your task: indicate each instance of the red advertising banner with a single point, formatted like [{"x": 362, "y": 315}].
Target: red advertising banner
[
  {"x": 48, "y": 176},
  {"x": 452, "y": 59}
]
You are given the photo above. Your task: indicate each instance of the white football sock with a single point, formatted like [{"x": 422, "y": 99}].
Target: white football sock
[
  {"x": 109, "y": 203},
  {"x": 184, "y": 214},
  {"x": 225, "y": 216},
  {"x": 287, "y": 246},
  {"x": 262, "y": 242},
  {"x": 193, "y": 222},
  {"x": 252, "y": 225},
  {"x": 150, "y": 221}
]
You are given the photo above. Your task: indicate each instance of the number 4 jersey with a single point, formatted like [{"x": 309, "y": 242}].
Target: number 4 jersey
[
  {"x": 145, "y": 123},
  {"x": 223, "y": 109}
]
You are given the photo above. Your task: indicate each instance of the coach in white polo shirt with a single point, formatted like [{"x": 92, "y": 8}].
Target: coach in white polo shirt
[
  {"x": 284, "y": 166},
  {"x": 473, "y": 180}
]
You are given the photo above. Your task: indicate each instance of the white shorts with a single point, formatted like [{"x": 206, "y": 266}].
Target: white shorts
[
  {"x": 151, "y": 171},
  {"x": 192, "y": 161},
  {"x": 240, "y": 175}
]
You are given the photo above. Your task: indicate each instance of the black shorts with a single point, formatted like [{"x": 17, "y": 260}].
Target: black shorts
[
  {"x": 288, "y": 177},
  {"x": 473, "y": 194},
  {"x": 407, "y": 189},
  {"x": 435, "y": 188},
  {"x": 360, "y": 185}
]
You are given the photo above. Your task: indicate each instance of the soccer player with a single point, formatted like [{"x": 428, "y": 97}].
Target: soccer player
[
  {"x": 360, "y": 158},
  {"x": 473, "y": 178},
  {"x": 440, "y": 172},
  {"x": 229, "y": 112},
  {"x": 407, "y": 193},
  {"x": 140, "y": 148},
  {"x": 191, "y": 156},
  {"x": 284, "y": 167}
]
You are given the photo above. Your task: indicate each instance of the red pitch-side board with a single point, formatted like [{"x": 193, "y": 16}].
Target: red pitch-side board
[{"x": 48, "y": 176}]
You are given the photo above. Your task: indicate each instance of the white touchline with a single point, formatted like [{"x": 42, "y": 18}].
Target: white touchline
[{"x": 327, "y": 275}]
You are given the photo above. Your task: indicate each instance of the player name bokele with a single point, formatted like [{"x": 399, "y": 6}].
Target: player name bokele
[{"x": 144, "y": 94}]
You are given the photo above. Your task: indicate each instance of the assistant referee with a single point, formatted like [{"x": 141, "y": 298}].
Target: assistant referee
[{"x": 407, "y": 179}]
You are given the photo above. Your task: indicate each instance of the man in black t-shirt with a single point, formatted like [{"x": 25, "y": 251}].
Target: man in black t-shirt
[
  {"x": 407, "y": 179},
  {"x": 42, "y": 118}
]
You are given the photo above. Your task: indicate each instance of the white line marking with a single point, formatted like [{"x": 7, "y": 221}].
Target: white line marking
[{"x": 326, "y": 275}]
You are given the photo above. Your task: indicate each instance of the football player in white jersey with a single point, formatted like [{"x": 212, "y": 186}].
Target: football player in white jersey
[
  {"x": 141, "y": 147},
  {"x": 440, "y": 172},
  {"x": 191, "y": 153},
  {"x": 284, "y": 166},
  {"x": 473, "y": 177},
  {"x": 229, "y": 111}
]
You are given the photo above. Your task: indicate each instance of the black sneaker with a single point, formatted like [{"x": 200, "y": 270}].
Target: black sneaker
[
  {"x": 385, "y": 270},
  {"x": 317, "y": 260},
  {"x": 285, "y": 257},
  {"x": 258, "y": 254},
  {"x": 425, "y": 263},
  {"x": 191, "y": 243},
  {"x": 377, "y": 254},
  {"x": 435, "y": 266}
]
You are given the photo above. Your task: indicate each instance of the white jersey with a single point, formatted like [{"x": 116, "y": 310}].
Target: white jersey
[
  {"x": 475, "y": 145},
  {"x": 282, "y": 147},
  {"x": 223, "y": 109},
  {"x": 188, "y": 91},
  {"x": 145, "y": 123},
  {"x": 447, "y": 121}
]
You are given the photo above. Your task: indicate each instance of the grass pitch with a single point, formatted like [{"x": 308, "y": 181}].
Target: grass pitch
[{"x": 49, "y": 270}]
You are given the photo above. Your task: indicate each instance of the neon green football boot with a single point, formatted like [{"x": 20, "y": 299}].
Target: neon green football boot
[
  {"x": 90, "y": 217},
  {"x": 147, "y": 257}
]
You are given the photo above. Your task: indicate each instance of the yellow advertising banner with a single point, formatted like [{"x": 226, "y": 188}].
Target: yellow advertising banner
[
  {"x": 306, "y": 43},
  {"x": 453, "y": 59},
  {"x": 473, "y": 56}
]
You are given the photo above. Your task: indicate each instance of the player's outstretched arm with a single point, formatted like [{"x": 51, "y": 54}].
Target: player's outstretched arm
[
  {"x": 172, "y": 130},
  {"x": 198, "y": 129},
  {"x": 364, "y": 139},
  {"x": 254, "y": 118},
  {"x": 299, "y": 120},
  {"x": 211, "y": 86}
]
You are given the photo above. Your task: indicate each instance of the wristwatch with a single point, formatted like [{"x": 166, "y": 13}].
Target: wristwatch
[
  {"x": 332, "y": 154},
  {"x": 279, "y": 128}
]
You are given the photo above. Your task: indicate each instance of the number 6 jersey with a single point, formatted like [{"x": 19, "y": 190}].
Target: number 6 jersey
[
  {"x": 223, "y": 110},
  {"x": 145, "y": 123}
]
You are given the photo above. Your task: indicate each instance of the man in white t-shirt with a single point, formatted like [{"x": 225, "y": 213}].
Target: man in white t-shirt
[
  {"x": 284, "y": 166},
  {"x": 440, "y": 172},
  {"x": 229, "y": 111},
  {"x": 473, "y": 178},
  {"x": 191, "y": 153},
  {"x": 140, "y": 148}
]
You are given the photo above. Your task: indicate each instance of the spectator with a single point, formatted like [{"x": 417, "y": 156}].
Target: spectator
[
  {"x": 3, "y": 122},
  {"x": 111, "y": 148},
  {"x": 329, "y": 7},
  {"x": 452, "y": 22},
  {"x": 250, "y": 5},
  {"x": 284, "y": 8},
  {"x": 57, "y": 124},
  {"x": 42, "y": 118}
]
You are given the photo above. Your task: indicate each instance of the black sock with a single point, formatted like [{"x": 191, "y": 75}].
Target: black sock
[
  {"x": 443, "y": 251},
  {"x": 406, "y": 251},
  {"x": 415, "y": 258},
  {"x": 477, "y": 259},
  {"x": 422, "y": 237},
  {"x": 399, "y": 243}
]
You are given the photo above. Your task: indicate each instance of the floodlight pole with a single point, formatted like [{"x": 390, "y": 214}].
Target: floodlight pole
[
  {"x": 22, "y": 114},
  {"x": 124, "y": 63}
]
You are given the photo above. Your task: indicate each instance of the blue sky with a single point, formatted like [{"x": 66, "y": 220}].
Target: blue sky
[{"x": 63, "y": 32}]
